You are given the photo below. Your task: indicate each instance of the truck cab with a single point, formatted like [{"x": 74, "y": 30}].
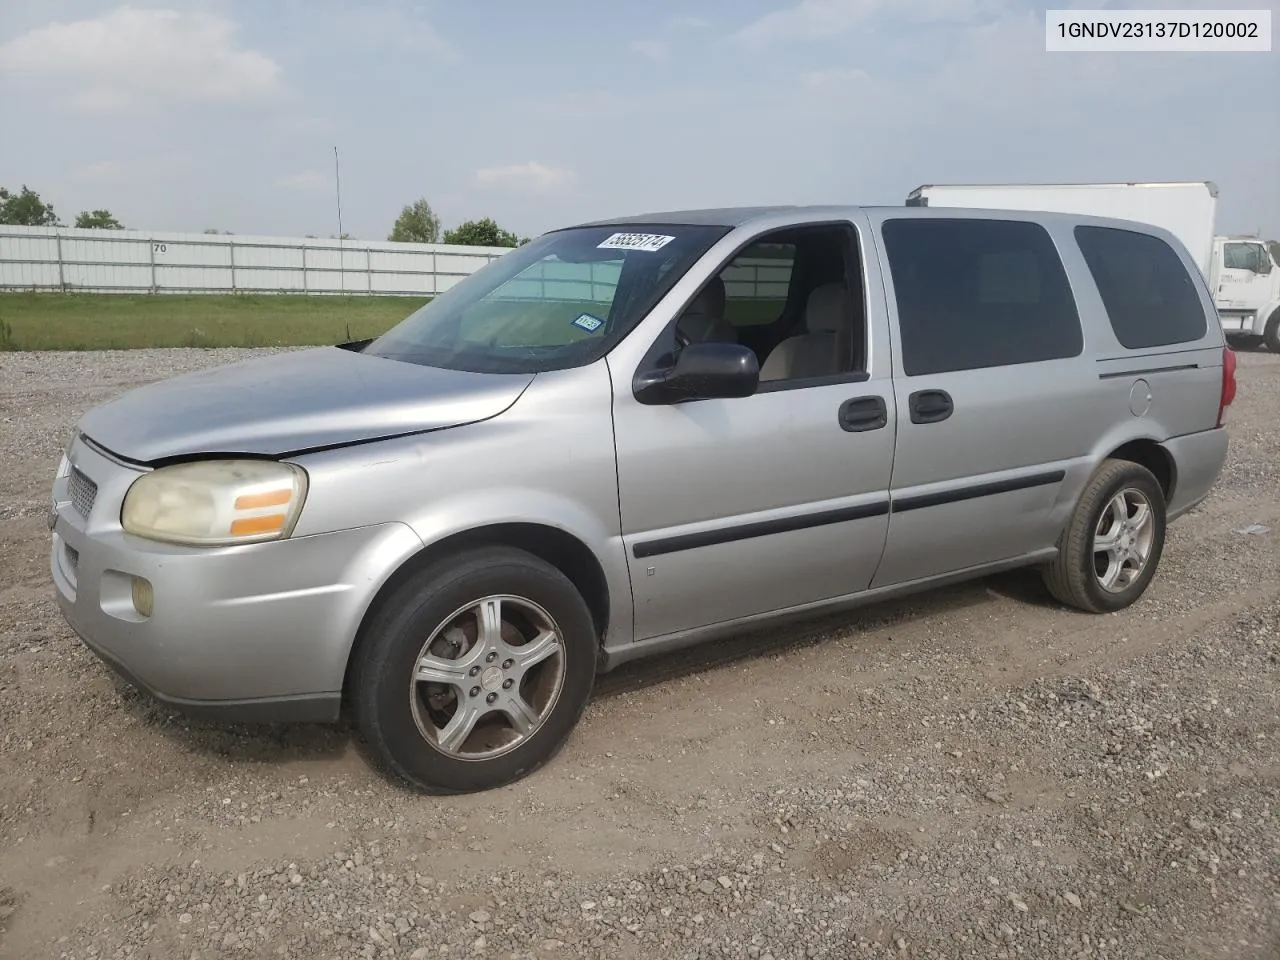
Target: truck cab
[{"x": 1246, "y": 289}]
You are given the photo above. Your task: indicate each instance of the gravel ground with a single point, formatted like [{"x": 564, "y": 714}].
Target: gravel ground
[{"x": 974, "y": 773}]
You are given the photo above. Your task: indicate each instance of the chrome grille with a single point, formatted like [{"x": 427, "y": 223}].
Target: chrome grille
[{"x": 82, "y": 491}]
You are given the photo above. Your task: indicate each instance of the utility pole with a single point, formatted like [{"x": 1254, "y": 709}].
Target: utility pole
[{"x": 337, "y": 184}]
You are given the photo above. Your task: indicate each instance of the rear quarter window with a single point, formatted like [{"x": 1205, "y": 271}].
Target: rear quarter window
[
  {"x": 1150, "y": 298},
  {"x": 975, "y": 293}
]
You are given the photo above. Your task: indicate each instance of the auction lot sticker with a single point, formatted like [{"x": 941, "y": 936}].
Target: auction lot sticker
[{"x": 648, "y": 242}]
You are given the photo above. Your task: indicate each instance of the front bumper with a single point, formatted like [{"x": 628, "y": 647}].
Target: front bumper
[{"x": 254, "y": 632}]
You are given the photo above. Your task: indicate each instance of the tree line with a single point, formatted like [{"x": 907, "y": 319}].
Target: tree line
[
  {"x": 417, "y": 222},
  {"x": 26, "y": 209}
]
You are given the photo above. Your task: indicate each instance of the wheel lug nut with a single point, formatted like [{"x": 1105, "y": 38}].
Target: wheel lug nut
[
  {"x": 490, "y": 658},
  {"x": 507, "y": 664},
  {"x": 491, "y": 698},
  {"x": 508, "y": 684},
  {"x": 474, "y": 671},
  {"x": 475, "y": 691}
]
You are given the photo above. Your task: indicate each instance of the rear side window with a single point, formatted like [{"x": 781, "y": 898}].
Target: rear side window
[
  {"x": 979, "y": 293},
  {"x": 1150, "y": 297}
]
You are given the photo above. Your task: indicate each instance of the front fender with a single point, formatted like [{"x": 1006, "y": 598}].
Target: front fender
[
  {"x": 548, "y": 460},
  {"x": 477, "y": 509}
]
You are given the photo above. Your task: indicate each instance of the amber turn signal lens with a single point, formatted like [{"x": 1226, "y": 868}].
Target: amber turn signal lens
[
  {"x": 272, "y": 498},
  {"x": 249, "y": 526}
]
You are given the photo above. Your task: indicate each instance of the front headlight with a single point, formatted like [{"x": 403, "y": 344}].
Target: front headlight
[
  {"x": 212, "y": 502},
  {"x": 64, "y": 462}
]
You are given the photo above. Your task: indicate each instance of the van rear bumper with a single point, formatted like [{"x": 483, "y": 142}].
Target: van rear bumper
[{"x": 1198, "y": 461}]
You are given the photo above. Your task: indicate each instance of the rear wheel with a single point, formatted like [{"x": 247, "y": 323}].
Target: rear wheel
[
  {"x": 475, "y": 671},
  {"x": 1109, "y": 551},
  {"x": 1272, "y": 335}
]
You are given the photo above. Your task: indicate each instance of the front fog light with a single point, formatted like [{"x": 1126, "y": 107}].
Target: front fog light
[
  {"x": 144, "y": 596},
  {"x": 212, "y": 502}
]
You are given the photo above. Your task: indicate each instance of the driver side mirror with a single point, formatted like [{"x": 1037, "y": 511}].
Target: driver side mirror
[{"x": 702, "y": 371}]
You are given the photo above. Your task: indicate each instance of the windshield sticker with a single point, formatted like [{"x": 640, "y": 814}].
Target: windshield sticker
[
  {"x": 589, "y": 323},
  {"x": 648, "y": 242}
]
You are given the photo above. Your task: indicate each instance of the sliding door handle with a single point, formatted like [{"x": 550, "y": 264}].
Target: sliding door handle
[{"x": 930, "y": 406}]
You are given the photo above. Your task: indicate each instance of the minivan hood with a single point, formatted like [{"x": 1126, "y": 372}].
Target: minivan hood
[{"x": 320, "y": 397}]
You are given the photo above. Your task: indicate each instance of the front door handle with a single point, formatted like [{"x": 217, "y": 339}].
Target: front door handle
[
  {"x": 930, "y": 406},
  {"x": 863, "y": 413}
]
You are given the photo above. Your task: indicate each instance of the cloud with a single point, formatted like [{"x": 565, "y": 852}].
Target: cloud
[
  {"x": 382, "y": 26},
  {"x": 306, "y": 181},
  {"x": 822, "y": 19},
  {"x": 531, "y": 177},
  {"x": 687, "y": 24},
  {"x": 1073, "y": 118},
  {"x": 837, "y": 79},
  {"x": 1003, "y": 64},
  {"x": 586, "y": 103},
  {"x": 107, "y": 170},
  {"x": 306, "y": 125},
  {"x": 678, "y": 28},
  {"x": 675, "y": 27},
  {"x": 653, "y": 49},
  {"x": 129, "y": 59}
]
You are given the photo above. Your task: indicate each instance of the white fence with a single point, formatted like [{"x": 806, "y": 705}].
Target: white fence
[{"x": 127, "y": 261}]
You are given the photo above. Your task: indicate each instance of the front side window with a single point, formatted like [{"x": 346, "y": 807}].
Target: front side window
[
  {"x": 561, "y": 301},
  {"x": 979, "y": 293},
  {"x": 1242, "y": 256},
  {"x": 795, "y": 298},
  {"x": 1150, "y": 298},
  {"x": 756, "y": 283}
]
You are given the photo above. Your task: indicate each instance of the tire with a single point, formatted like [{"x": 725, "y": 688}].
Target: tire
[
  {"x": 407, "y": 724},
  {"x": 1272, "y": 335},
  {"x": 1074, "y": 577},
  {"x": 1244, "y": 341}
]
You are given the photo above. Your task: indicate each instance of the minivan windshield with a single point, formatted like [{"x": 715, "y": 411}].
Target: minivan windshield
[{"x": 562, "y": 300}]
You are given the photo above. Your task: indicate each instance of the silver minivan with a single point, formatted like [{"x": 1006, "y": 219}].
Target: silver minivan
[{"x": 633, "y": 435}]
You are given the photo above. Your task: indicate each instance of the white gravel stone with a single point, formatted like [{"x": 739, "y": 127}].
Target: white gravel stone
[{"x": 959, "y": 775}]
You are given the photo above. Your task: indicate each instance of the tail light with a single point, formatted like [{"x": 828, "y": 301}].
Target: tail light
[{"x": 1228, "y": 382}]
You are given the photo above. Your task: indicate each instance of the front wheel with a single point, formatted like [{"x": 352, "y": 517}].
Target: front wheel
[
  {"x": 475, "y": 671},
  {"x": 1272, "y": 335},
  {"x": 1109, "y": 551}
]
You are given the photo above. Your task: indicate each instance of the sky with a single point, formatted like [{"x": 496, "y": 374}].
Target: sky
[{"x": 188, "y": 115}]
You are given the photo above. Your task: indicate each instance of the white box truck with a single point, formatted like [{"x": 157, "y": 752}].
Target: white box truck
[
  {"x": 1246, "y": 290},
  {"x": 1242, "y": 272}
]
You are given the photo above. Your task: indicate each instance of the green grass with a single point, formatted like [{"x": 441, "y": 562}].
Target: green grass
[
  {"x": 530, "y": 323},
  {"x": 58, "y": 321},
  {"x": 550, "y": 323},
  {"x": 754, "y": 313},
  {"x": 81, "y": 321}
]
